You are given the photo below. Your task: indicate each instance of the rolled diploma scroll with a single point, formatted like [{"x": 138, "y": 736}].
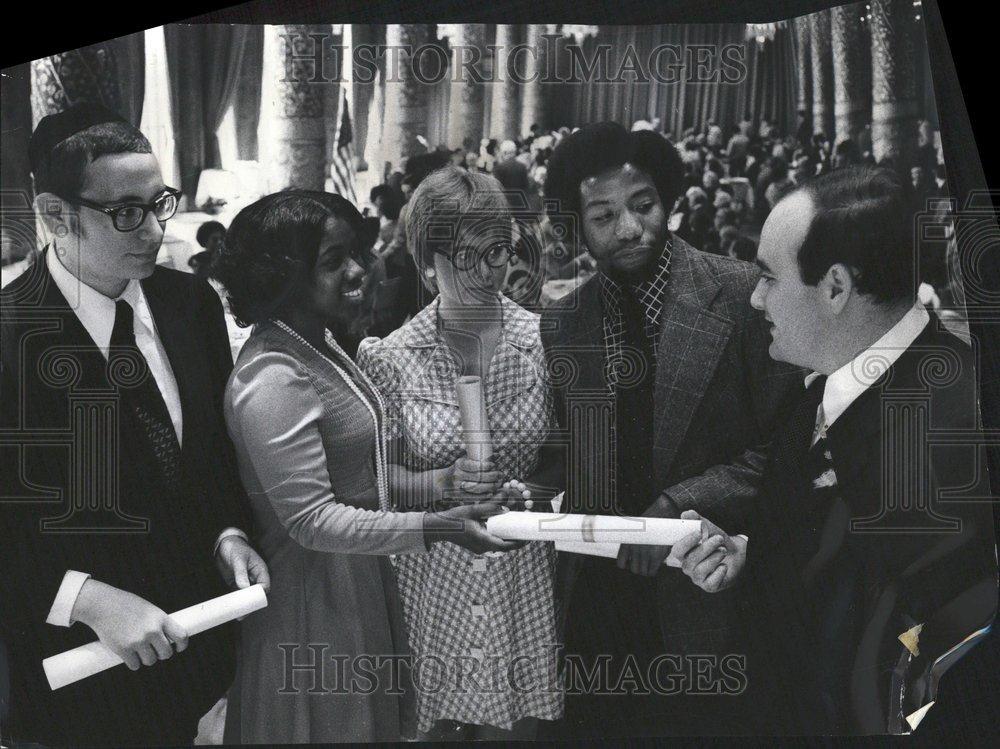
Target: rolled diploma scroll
[
  {"x": 92, "y": 658},
  {"x": 475, "y": 424},
  {"x": 590, "y": 529},
  {"x": 610, "y": 551}
]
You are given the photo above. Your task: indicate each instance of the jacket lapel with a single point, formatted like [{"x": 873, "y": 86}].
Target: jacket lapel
[
  {"x": 511, "y": 372},
  {"x": 583, "y": 343},
  {"x": 68, "y": 335},
  {"x": 692, "y": 339}
]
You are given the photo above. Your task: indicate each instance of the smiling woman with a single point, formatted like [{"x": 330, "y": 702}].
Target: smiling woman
[{"x": 308, "y": 430}]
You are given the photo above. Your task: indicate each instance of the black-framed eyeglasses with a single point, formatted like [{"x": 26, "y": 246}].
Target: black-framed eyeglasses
[
  {"x": 495, "y": 255},
  {"x": 130, "y": 216}
]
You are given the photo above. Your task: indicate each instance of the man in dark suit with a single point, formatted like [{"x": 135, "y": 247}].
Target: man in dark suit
[
  {"x": 665, "y": 395},
  {"x": 872, "y": 559},
  {"x": 118, "y": 477}
]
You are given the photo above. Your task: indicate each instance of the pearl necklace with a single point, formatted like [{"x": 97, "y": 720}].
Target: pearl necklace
[{"x": 376, "y": 411}]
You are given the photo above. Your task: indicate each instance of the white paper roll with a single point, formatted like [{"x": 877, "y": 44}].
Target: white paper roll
[
  {"x": 475, "y": 423},
  {"x": 608, "y": 551},
  {"x": 590, "y": 529},
  {"x": 92, "y": 658}
]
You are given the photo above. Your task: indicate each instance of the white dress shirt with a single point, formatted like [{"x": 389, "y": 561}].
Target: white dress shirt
[
  {"x": 846, "y": 385},
  {"x": 96, "y": 313}
]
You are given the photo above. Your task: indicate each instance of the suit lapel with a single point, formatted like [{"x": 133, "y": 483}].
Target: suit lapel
[
  {"x": 69, "y": 335},
  {"x": 692, "y": 340},
  {"x": 584, "y": 341}
]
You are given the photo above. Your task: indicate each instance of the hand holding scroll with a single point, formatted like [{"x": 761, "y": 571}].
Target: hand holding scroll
[
  {"x": 132, "y": 628},
  {"x": 478, "y": 477},
  {"x": 710, "y": 557}
]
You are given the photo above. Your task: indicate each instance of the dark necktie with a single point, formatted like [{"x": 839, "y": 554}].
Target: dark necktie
[
  {"x": 145, "y": 402},
  {"x": 634, "y": 411}
]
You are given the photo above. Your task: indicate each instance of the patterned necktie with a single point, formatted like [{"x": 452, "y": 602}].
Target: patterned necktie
[
  {"x": 824, "y": 480},
  {"x": 144, "y": 400}
]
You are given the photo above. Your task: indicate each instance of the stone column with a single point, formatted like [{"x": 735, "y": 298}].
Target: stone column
[
  {"x": 85, "y": 74},
  {"x": 465, "y": 116},
  {"x": 505, "y": 113},
  {"x": 292, "y": 131},
  {"x": 532, "y": 66},
  {"x": 894, "y": 96},
  {"x": 851, "y": 72},
  {"x": 822, "y": 72},
  {"x": 405, "y": 95},
  {"x": 803, "y": 61}
]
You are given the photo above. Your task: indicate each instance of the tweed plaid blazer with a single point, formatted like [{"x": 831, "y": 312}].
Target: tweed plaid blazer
[{"x": 716, "y": 394}]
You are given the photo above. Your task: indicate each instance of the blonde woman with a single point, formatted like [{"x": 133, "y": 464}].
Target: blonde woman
[{"x": 490, "y": 616}]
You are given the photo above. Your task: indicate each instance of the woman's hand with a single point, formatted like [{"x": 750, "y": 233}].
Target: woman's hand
[
  {"x": 479, "y": 478},
  {"x": 465, "y": 525}
]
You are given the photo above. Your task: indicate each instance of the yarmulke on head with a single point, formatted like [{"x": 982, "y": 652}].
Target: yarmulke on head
[
  {"x": 53, "y": 129},
  {"x": 64, "y": 143}
]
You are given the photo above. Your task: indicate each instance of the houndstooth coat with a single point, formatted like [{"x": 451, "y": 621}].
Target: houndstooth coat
[{"x": 492, "y": 615}]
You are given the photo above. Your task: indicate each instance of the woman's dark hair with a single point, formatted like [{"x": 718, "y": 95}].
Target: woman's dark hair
[
  {"x": 603, "y": 146},
  {"x": 862, "y": 217},
  {"x": 272, "y": 246}
]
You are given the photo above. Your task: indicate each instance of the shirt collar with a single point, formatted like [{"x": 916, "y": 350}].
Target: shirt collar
[
  {"x": 847, "y": 384},
  {"x": 652, "y": 284},
  {"x": 649, "y": 292},
  {"x": 519, "y": 327},
  {"x": 95, "y": 311}
]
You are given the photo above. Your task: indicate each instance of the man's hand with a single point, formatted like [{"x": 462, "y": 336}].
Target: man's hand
[
  {"x": 642, "y": 559},
  {"x": 131, "y": 627},
  {"x": 240, "y": 565},
  {"x": 710, "y": 557}
]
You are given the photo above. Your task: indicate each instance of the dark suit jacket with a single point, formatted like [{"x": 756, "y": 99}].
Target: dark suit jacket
[
  {"x": 66, "y": 453},
  {"x": 715, "y": 395},
  {"x": 909, "y": 541}
]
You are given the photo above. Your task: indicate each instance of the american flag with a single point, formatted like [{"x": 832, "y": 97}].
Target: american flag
[{"x": 342, "y": 171}]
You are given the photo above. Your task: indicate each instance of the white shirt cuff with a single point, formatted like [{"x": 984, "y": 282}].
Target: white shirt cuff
[
  {"x": 62, "y": 607},
  {"x": 224, "y": 534}
]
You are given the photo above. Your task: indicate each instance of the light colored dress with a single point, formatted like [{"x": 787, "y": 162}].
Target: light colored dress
[
  {"x": 305, "y": 428},
  {"x": 490, "y": 614}
]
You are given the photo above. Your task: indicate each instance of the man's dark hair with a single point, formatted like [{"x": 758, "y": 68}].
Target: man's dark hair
[
  {"x": 392, "y": 203},
  {"x": 272, "y": 245},
  {"x": 863, "y": 218},
  {"x": 422, "y": 164},
  {"x": 604, "y": 146},
  {"x": 61, "y": 171},
  {"x": 206, "y": 230},
  {"x": 849, "y": 150}
]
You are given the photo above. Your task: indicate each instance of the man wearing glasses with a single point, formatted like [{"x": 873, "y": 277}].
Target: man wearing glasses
[{"x": 120, "y": 480}]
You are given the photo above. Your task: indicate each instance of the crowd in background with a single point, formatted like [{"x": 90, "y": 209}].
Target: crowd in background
[{"x": 732, "y": 181}]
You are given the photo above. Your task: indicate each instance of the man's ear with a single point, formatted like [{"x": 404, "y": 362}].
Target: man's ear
[
  {"x": 838, "y": 286},
  {"x": 53, "y": 216}
]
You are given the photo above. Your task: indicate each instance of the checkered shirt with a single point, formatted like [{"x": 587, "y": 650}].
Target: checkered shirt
[
  {"x": 495, "y": 610},
  {"x": 649, "y": 294}
]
